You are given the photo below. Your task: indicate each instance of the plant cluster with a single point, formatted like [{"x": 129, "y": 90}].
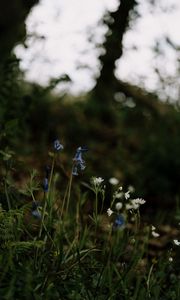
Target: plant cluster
[{"x": 53, "y": 247}]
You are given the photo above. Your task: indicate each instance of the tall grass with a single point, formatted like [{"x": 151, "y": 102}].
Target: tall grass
[{"x": 53, "y": 247}]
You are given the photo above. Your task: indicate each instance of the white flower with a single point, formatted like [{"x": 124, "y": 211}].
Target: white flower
[
  {"x": 97, "y": 180},
  {"x": 127, "y": 195},
  {"x": 176, "y": 242},
  {"x": 155, "y": 234},
  {"x": 118, "y": 195},
  {"x": 118, "y": 206},
  {"x": 131, "y": 189},
  {"x": 170, "y": 259},
  {"x": 139, "y": 201},
  {"x": 109, "y": 212},
  {"x": 129, "y": 206},
  {"x": 135, "y": 205},
  {"x": 113, "y": 181}
]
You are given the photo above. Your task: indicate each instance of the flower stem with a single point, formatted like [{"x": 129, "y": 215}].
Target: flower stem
[{"x": 69, "y": 191}]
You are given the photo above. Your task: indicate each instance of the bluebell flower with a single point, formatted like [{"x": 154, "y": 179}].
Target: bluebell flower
[
  {"x": 79, "y": 163},
  {"x": 119, "y": 222},
  {"x": 47, "y": 171},
  {"x": 57, "y": 145},
  {"x": 35, "y": 212},
  {"x": 75, "y": 171},
  {"x": 45, "y": 185}
]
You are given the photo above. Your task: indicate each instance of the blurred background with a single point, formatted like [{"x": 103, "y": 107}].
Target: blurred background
[{"x": 104, "y": 74}]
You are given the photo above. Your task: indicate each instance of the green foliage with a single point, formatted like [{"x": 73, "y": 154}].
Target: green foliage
[{"x": 66, "y": 252}]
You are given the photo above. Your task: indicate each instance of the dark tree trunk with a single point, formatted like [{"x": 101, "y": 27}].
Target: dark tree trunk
[
  {"x": 113, "y": 46},
  {"x": 12, "y": 24}
]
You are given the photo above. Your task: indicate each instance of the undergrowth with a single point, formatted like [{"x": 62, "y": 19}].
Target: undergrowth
[{"x": 70, "y": 245}]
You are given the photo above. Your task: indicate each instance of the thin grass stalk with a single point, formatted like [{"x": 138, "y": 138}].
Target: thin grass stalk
[{"x": 69, "y": 190}]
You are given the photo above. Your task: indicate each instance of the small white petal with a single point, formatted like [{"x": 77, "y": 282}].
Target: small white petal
[
  {"x": 113, "y": 181},
  {"x": 129, "y": 206},
  {"x": 118, "y": 205},
  {"x": 155, "y": 234},
  {"x": 97, "y": 180},
  {"x": 176, "y": 242},
  {"x": 135, "y": 206},
  {"x": 131, "y": 189},
  {"x": 109, "y": 212},
  {"x": 139, "y": 201},
  {"x": 118, "y": 195},
  {"x": 127, "y": 195}
]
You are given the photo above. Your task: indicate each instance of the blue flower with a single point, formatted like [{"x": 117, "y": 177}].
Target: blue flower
[
  {"x": 47, "y": 171},
  {"x": 79, "y": 163},
  {"x": 36, "y": 214},
  {"x": 45, "y": 185},
  {"x": 119, "y": 222},
  {"x": 57, "y": 145},
  {"x": 75, "y": 171}
]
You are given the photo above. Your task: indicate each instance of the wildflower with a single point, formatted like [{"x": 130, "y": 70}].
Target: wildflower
[
  {"x": 45, "y": 185},
  {"x": 176, "y": 242},
  {"x": 131, "y": 189},
  {"x": 135, "y": 205},
  {"x": 47, "y": 171},
  {"x": 75, "y": 171},
  {"x": 118, "y": 206},
  {"x": 35, "y": 210},
  {"x": 139, "y": 201},
  {"x": 119, "y": 222},
  {"x": 78, "y": 161},
  {"x": 113, "y": 181},
  {"x": 36, "y": 214},
  {"x": 97, "y": 181},
  {"x": 109, "y": 212},
  {"x": 127, "y": 195},
  {"x": 118, "y": 195},
  {"x": 57, "y": 145},
  {"x": 155, "y": 234},
  {"x": 170, "y": 259},
  {"x": 129, "y": 206}
]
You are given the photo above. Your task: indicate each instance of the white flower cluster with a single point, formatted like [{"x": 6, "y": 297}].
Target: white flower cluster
[
  {"x": 118, "y": 207},
  {"x": 130, "y": 204},
  {"x": 97, "y": 180},
  {"x": 135, "y": 203},
  {"x": 153, "y": 231}
]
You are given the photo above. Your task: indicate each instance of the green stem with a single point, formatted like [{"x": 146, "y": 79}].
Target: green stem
[
  {"x": 33, "y": 198},
  {"x": 51, "y": 174},
  {"x": 69, "y": 191},
  {"x": 148, "y": 279},
  {"x": 63, "y": 204},
  {"x": 43, "y": 214}
]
